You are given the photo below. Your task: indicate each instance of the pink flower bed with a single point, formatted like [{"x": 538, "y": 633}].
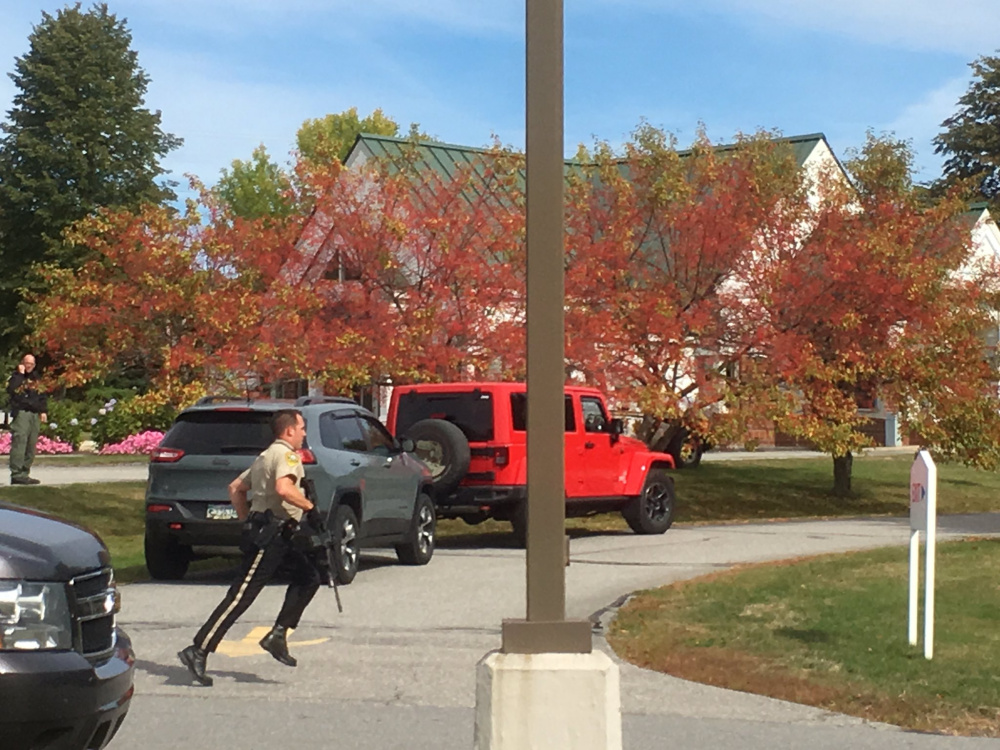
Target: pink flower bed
[
  {"x": 143, "y": 442},
  {"x": 44, "y": 445}
]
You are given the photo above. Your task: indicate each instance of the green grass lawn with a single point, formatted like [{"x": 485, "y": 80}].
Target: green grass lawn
[
  {"x": 794, "y": 488},
  {"x": 832, "y": 632}
]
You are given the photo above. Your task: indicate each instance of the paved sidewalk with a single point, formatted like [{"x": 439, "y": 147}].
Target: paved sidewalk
[{"x": 47, "y": 473}]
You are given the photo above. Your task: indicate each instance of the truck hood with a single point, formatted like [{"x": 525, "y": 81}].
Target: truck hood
[{"x": 38, "y": 547}]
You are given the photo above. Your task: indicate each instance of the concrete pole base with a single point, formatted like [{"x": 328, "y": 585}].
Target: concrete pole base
[{"x": 548, "y": 702}]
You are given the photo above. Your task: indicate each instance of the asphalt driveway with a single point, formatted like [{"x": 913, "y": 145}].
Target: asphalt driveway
[{"x": 397, "y": 668}]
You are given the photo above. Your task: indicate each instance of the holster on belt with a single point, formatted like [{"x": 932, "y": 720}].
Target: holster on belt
[{"x": 262, "y": 528}]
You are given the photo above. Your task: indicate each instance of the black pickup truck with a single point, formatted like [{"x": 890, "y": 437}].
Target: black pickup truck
[{"x": 66, "y": 669}]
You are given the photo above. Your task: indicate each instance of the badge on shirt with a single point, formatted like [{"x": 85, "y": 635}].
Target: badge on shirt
[{"x": 292, "y": 458}]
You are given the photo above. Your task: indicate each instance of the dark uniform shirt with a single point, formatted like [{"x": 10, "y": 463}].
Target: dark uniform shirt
[{"x": 23, "y": 394}]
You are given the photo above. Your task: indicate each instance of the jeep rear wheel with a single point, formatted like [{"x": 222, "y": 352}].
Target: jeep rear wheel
[
  {"x": 653, "y": 511},
  {"x": 443, "y": 447},
  {"x": 166, "y": 559}
]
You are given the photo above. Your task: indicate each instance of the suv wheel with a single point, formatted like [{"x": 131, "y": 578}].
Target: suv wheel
[
  {"x": 686, "y": 450},
  {"x": 653, "y": 511},
  {"x": 346, "y": 551},
  {"x": 419, "y": 545},
  {"x": 443, "y": 447},
  {"x": 166, "y": 560}
]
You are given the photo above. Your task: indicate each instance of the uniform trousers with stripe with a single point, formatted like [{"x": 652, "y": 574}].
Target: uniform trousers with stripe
[{"x": 257, "y": 569}]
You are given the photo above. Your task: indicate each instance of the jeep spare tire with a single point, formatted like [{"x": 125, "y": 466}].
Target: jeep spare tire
[{"x": 443, "y": 447}]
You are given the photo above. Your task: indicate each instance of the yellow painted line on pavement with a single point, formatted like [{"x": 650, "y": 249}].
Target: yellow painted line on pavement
[{"x": 250, "y": 644}]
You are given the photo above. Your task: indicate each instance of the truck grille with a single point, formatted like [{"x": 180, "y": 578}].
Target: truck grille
[{"x": 93, "y": 603}]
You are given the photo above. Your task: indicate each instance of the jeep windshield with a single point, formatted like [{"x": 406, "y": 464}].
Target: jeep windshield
[
  {"x": 220, "y": 431},
  {"x": 470, "y": 411}
]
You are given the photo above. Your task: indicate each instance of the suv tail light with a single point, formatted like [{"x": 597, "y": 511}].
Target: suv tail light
[
  {"x": 166, "y": 455},
  {"x": 307, "y": 456},
  {"x": 159, "y": 508},
  {"x": 501, "y": 456}
]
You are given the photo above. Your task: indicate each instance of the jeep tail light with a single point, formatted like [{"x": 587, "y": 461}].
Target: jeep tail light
[
  {"x": 166, "y": 455},
  {"x": 501, "y": 456},
  {"x": 175, "y": 526},
  {"x": 307, "y": 456},
  {"x": 158, "y": 508}
]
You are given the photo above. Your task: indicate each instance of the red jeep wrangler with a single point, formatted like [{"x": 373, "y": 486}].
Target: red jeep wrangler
[{"x": 473, "y": 437}]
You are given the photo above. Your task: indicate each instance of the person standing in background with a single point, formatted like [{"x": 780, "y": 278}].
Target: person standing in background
[{"x": 28, "y": 410}]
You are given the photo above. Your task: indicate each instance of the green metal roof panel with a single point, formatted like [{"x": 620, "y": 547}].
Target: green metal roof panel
[{"x": 443, "y": 158}]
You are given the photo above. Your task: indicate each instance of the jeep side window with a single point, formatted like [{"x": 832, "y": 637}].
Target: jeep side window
[
  {"x": 594, "y": 418},
  {"x": 329, "y": 435},
  {"x": 519, "y": 412},
  {"x": 379, "y": 439},
  {"x": 351, "y": 437}
]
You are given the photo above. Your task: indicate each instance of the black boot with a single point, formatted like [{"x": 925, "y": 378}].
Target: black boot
[
  {"x": 194, "y": 659},
  {"x": 276, "y": 645}
]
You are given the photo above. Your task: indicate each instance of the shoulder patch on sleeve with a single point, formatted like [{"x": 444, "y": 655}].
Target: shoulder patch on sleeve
[{"x": 292, "y": 458}]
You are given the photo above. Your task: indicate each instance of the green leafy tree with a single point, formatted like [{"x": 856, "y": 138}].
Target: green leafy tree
[
  {"x": 77, "y": 138},
  {"x": 327, "y": 138},
  {"x": 971, "y": 139},
  {"x": 256, "y": 188}
]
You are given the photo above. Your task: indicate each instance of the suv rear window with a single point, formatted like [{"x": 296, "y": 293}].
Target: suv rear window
[
  {"x": 470, "y": 411},
  {"x": 217, "y": 432}
]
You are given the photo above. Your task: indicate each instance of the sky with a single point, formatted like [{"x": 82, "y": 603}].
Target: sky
[{"x": 228, "y": 75}]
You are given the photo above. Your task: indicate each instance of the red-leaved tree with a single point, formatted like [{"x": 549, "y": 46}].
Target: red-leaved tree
[
  {"x": 879, "y": 296},
  {"x": 178, "y": 296}
]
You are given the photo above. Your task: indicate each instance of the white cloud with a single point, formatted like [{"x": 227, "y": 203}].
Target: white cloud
[{"x": 964, "y": 27}]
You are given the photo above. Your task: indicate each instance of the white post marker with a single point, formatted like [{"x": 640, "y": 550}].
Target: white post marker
[{"x": 923, "y": 517}]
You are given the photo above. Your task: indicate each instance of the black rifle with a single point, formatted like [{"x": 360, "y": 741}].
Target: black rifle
[{"x": 320, "y": 543}]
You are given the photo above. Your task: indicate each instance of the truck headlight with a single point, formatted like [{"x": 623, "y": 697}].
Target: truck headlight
[{"x": 34, "y": 616}]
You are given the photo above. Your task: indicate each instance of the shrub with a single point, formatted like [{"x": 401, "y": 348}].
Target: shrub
[
  {"x": 67, "y": 421},
  {"x": 142, "y": 443},
  {"x": 44, "y": 445},
  {"x": 117, "y": 420}
]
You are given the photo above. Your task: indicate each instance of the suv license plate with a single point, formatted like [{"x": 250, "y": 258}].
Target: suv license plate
[{"x": 220, "y": 512}]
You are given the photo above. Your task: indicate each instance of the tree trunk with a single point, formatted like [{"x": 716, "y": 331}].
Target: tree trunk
[{"x": 842, "y": 475}]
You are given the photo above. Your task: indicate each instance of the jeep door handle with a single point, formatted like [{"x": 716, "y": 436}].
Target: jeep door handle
[
  {"x": 355, "y": 462},
  {"x": 588, "y": 445}
]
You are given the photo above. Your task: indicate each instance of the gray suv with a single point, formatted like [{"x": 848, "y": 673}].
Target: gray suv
[{"x": 370, "y": 489}]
